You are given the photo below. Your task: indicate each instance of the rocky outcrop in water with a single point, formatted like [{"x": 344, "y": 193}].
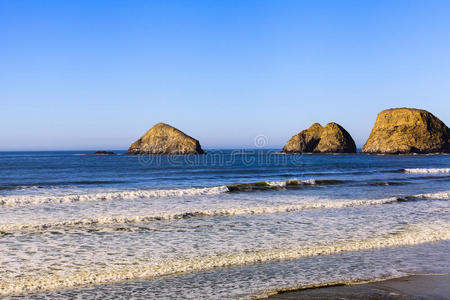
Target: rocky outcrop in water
[
  {"x": 408, "y": 130},
  {"x": 331, "y": 138},
  {"x": 305, "y": 141},
  {"x": 165, "y": 139},
  {"x": 102, "y": 153}
]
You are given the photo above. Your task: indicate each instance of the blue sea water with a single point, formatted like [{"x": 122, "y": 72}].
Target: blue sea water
[{"x": 226, "y": 225}]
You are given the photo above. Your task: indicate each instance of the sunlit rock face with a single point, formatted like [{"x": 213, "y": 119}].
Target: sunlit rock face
[
  {"x": 331, "y": 138},
  {"x": 165, "y": 139},
  {"x": 408, "y": 130}
]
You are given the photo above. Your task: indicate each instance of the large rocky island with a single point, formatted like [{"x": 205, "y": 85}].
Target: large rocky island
[
  {"x": 408, "y": 130},
  {"x": 165, "y": 139},
  {"x": 331, "y": 138}
]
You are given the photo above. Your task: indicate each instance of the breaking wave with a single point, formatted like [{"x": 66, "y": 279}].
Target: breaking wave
[
  {"x": 427, "y": 171},
  {"x": 168, "y": 216},
  {"x": 218, "y": 212},
  {"x": 23, "y": 200},
  {"x": 36, "y": 199},
  {"x": 274, "y": 185},
  {"x": 438, "y": 195},
  {"x": 412, "y": 235},
  {"x": 41, "y": 185}
]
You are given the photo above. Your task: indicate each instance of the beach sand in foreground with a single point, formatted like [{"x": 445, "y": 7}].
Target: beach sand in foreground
[{"x": 433, "y": 286}]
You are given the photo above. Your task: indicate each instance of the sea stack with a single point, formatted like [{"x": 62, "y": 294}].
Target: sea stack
[
  {"x": 102, "y": 152},
  {"x": 167, "y": 140},
  {"x": 331, "y": 138},
  {"x": 408, "y": 130}
]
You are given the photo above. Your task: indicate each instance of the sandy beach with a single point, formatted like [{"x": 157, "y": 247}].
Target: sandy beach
[{"x": 423, "y": 286}]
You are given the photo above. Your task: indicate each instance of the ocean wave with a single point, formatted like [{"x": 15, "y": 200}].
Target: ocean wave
[
  {"x": 24, "y": 200},
  {"x": 427, "y": 171},
  {"x": 41, "y": 185},
  {"x": 36, "y": 199},
  {"x": 386, "y": 183},
  {"x": 168, "y": 216},
  {"x": 274, "y": 185},
  {"x": 414, "y": 234},
  {"x": 19, "y": 187},
  {"x": 217, "y": 212},
  {"x": 438, "y": 195}
]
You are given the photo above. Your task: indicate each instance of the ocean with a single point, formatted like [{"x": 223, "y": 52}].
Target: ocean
[{"x": 231, "y": 224}]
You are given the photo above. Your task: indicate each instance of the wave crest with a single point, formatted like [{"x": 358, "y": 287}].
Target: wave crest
[
  {"x": 427, "y": 171},
  {"x": 168, "y": 216},
  {"x": 438, "y": 195},
  {"x": 23, "y": 200}
]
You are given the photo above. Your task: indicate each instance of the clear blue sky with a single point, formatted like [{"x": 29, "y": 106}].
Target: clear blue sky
[{"x": 98, "y": 74}]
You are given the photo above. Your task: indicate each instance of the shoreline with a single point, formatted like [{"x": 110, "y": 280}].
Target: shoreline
[{"x": 413, "y": 286}]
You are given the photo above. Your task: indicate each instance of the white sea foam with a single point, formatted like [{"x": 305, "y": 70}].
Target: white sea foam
[
  {"x": 412, "y": 235},
  {"x": 232, "y": 211},
  {"x": 438, "y": 195},
  {"x": 285, "y": 183},
  {"x": 34, "y": 199},
  {"x": 23, "y": 200},
  {"x": 427, "y": 171},
  {"x": 277, "y": 183}
]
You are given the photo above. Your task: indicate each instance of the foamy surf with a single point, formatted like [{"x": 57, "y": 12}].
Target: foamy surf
[
  {"x": 427, "y": 171},
  {"x": 168, "y": 216},
  {"x": 412, "y": 235},
  {"x": 23, "y": 200},
  {"x": 36, "y": 199},
  {"x": 285, "y": 183},
  {"x": 275, "y": 185},
  {"x": 438, "y": 195}
]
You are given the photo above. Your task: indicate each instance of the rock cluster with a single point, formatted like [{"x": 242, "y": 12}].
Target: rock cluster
[
  {"x": 396, "y": 131},
  {"x": 165, "y": 139},
  {"x": 408, "y": 130},
  {"x": 331, "y": 138}
]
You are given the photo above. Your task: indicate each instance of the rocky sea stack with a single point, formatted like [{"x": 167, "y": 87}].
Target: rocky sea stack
[
  {"x": 102, "y": 152},
  {"x": 408, "y": 130},
  {"x": 332, "y": 138},
  {"x": 165, "y": 139}
]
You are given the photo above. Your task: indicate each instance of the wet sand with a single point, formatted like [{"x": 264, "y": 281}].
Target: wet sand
[{"x": 426, "y": 286}]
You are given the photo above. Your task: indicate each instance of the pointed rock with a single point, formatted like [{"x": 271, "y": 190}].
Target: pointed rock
[
  {"x": 332, "y": 138},
  {"x": 165, "y": 139},
  {"x": 408, "y": 130}
]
